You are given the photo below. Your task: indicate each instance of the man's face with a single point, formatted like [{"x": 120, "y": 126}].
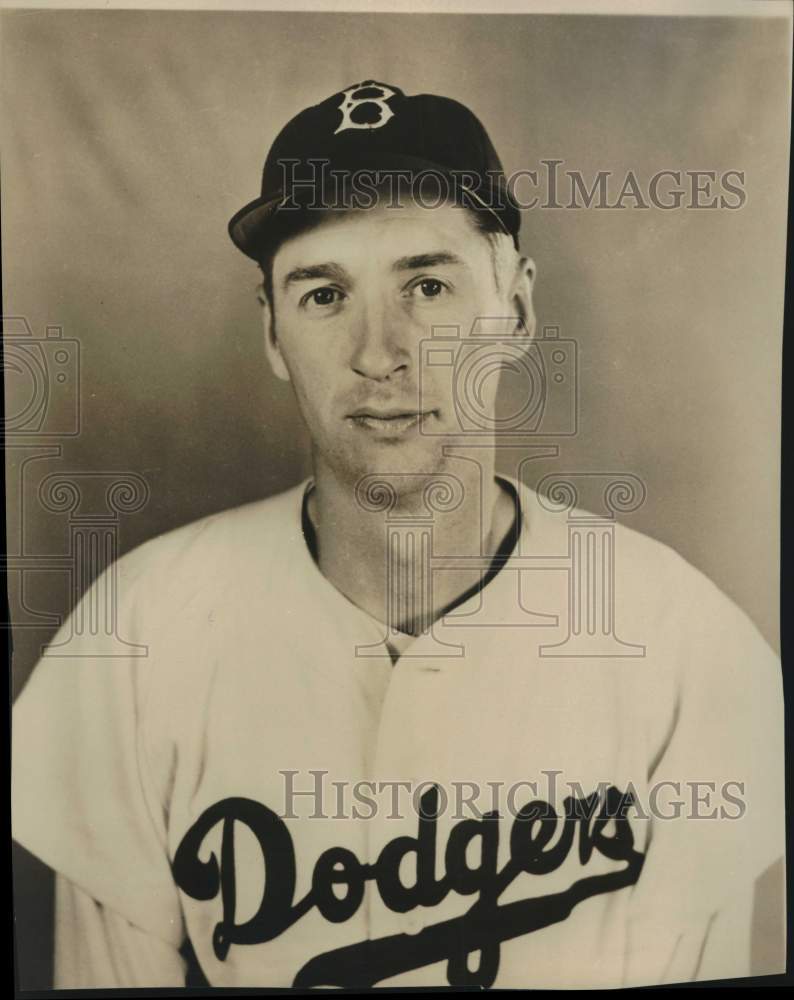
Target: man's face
[{"x": 353, "y": 300}]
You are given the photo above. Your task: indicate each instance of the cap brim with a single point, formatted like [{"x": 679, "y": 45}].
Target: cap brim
[{"x": 248, "y": 227}]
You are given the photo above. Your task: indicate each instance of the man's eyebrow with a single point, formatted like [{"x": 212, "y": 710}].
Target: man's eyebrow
[
  {"x": 328, "y": 271},
  {"x": 420, "y": 260}
]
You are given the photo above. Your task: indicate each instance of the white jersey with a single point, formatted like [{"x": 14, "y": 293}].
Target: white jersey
[{"x": 162, "y": 786}]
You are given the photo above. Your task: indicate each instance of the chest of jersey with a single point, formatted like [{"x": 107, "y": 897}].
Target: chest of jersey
[{"x": 452, "y": 819}]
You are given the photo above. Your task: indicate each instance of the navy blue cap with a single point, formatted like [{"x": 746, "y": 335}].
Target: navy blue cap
[{"x": 374, "y": 127}]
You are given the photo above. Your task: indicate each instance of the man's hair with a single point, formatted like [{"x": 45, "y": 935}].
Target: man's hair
[{"x": 285, "y": 225}]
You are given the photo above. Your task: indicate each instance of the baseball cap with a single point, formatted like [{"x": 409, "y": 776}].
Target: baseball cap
[{"x": 375, "y": 129}]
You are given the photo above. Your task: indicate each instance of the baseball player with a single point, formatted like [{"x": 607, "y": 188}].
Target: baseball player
[{"x": 389, "y": 730}]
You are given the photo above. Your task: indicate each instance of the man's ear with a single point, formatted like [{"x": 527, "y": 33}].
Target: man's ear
[
  {"x": 521, "y": 296},
  {"x": 272, "y": 348}
]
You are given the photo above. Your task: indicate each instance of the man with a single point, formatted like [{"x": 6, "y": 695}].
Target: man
[{"x": 375, "y": 740}]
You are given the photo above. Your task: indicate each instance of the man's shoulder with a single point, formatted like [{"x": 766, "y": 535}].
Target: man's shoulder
[
  {"x": 553, "y": 521},
  {"x": 651, "y": 578},
  {"x": 224, "y": 543}
]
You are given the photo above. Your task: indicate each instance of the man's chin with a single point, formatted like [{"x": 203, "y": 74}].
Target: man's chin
[{"x": 404, "y": 462}]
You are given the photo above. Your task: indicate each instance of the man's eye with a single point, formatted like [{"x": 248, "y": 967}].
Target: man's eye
[
  {"x": 429, "y": 288},
  {"x": 321, "y": 297}
]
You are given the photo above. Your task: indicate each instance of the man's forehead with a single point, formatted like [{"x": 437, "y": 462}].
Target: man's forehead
[{"x": 388, "y": 232}]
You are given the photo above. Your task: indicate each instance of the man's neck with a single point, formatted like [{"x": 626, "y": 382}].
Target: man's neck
[{"x": 385, "y": 572}]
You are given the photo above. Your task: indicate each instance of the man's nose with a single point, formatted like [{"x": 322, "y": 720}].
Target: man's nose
[{"x": 382, "y": 342}]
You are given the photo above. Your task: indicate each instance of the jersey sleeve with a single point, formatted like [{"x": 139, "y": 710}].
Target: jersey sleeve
[
  {"x": 97, "y": 948},
  {"x": 716, "y": 801},
  {"x": 83, "y": 800}
]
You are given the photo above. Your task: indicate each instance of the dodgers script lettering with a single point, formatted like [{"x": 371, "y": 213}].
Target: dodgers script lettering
[{"x": 600, "y": 822}]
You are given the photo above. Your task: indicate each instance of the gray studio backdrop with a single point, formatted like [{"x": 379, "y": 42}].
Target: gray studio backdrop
[{"x": 129, "y": 138}]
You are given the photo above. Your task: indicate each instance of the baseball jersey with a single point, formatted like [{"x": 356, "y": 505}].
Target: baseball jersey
[{"x": 288, "y": 796}]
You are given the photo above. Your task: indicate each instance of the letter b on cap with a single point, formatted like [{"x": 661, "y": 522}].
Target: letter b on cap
[{"x": 356, "y": 98}]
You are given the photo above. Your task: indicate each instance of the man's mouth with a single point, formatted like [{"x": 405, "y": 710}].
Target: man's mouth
[{"x": 390, "y": 423}]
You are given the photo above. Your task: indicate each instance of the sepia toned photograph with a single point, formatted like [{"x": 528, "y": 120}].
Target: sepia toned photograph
[{"x": 392, "y": 448}]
